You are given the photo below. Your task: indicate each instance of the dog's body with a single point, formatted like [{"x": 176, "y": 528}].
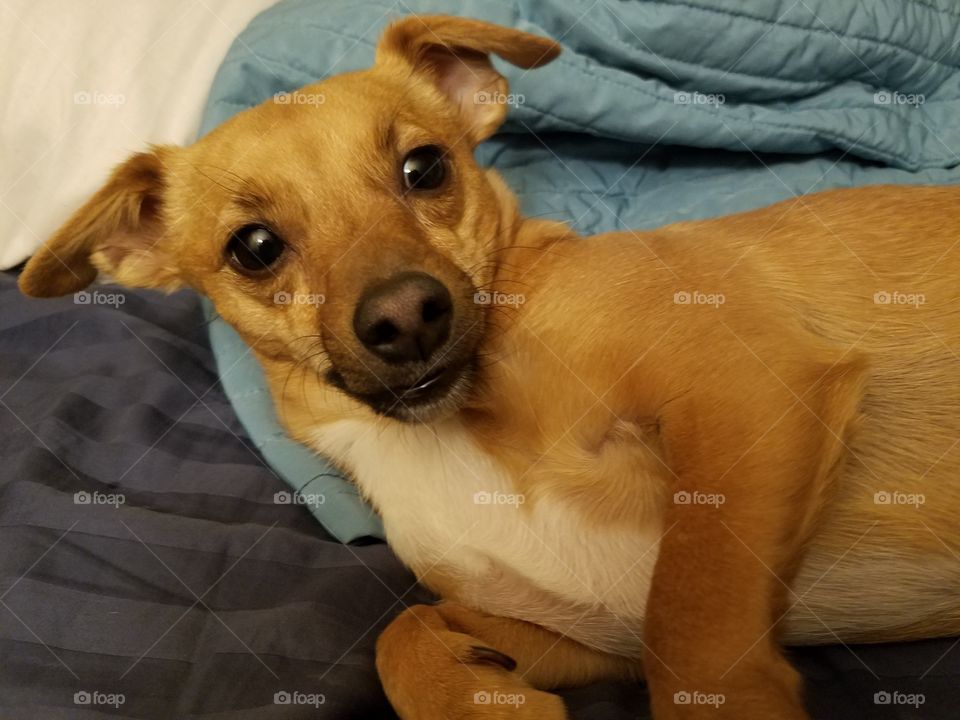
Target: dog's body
[
  {"x": 572, "y": 542},
  {"x": 680, "y": 448}
]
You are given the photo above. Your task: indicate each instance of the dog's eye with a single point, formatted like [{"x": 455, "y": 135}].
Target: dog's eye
[
  {"x": 424, "y": 168},
  {"x": 254, "y": 248}
]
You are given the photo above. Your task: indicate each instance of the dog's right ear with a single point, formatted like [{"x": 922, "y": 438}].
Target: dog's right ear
[
  {"x": 453, "y": 54},
  {"x": 117, "y": 231}
]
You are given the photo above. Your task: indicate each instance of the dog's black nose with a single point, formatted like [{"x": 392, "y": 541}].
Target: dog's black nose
[{"x": 405, "y": 318}]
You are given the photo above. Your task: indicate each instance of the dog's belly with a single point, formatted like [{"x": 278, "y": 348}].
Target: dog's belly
[
  {"x": 583, "y": 613},
  {"x": 547, "y": 566},
  {"x": 453, "y": 516}
]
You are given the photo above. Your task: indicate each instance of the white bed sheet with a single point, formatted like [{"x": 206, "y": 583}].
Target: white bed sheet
[{"x": 84, "y": 84}]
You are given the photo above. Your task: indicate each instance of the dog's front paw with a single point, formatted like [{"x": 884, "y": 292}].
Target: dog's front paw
[{"x": 430, "y": 672}]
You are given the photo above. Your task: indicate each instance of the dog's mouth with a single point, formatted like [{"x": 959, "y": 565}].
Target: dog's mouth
[{"x": 437, "y": 392}]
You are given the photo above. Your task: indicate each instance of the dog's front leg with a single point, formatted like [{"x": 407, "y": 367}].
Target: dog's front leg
[
  {"x": 439, "y": 662},
  {"x": 748, "y": 484},
  {"x": 710, "y": 629}
]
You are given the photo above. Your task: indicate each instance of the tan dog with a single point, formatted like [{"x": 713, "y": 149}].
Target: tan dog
[{"x": 684, "y": 447}]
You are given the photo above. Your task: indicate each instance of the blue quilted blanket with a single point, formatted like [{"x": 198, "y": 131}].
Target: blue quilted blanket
[{"x": 655, "y": 112}]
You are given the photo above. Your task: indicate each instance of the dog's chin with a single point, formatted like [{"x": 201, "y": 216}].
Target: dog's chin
[
  {"x": 438, "y": 395},
  {"x": 433, "y": 409}
]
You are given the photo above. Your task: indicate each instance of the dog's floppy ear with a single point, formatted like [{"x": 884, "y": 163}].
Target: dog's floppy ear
[
  {"x": 453, "y": 53},
  {"x": 116, "y": 231}
]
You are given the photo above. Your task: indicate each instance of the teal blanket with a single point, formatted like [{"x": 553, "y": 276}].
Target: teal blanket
[{"x": 655, "y": 112}]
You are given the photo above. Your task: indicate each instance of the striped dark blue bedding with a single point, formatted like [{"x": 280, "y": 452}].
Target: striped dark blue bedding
[{"x": 145, "y": 571}]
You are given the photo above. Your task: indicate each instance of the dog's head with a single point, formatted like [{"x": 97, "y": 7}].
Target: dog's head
[{"x": 346, "y": 225}]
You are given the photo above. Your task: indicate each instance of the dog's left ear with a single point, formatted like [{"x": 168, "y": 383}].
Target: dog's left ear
[
  {"x": 453, "y": 52},
  {"x": 119, "y": 231}
]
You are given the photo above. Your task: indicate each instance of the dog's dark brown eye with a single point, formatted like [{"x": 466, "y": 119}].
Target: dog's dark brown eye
[
  {"x": 254, "y": 248},
  {"x": 424, "y": 168}
]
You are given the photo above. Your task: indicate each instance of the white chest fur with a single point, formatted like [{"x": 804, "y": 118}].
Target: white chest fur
[{"x": 447, "y": 504}]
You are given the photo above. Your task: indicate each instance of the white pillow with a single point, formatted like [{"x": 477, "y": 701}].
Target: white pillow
[{"x": 85, "y": 83}]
